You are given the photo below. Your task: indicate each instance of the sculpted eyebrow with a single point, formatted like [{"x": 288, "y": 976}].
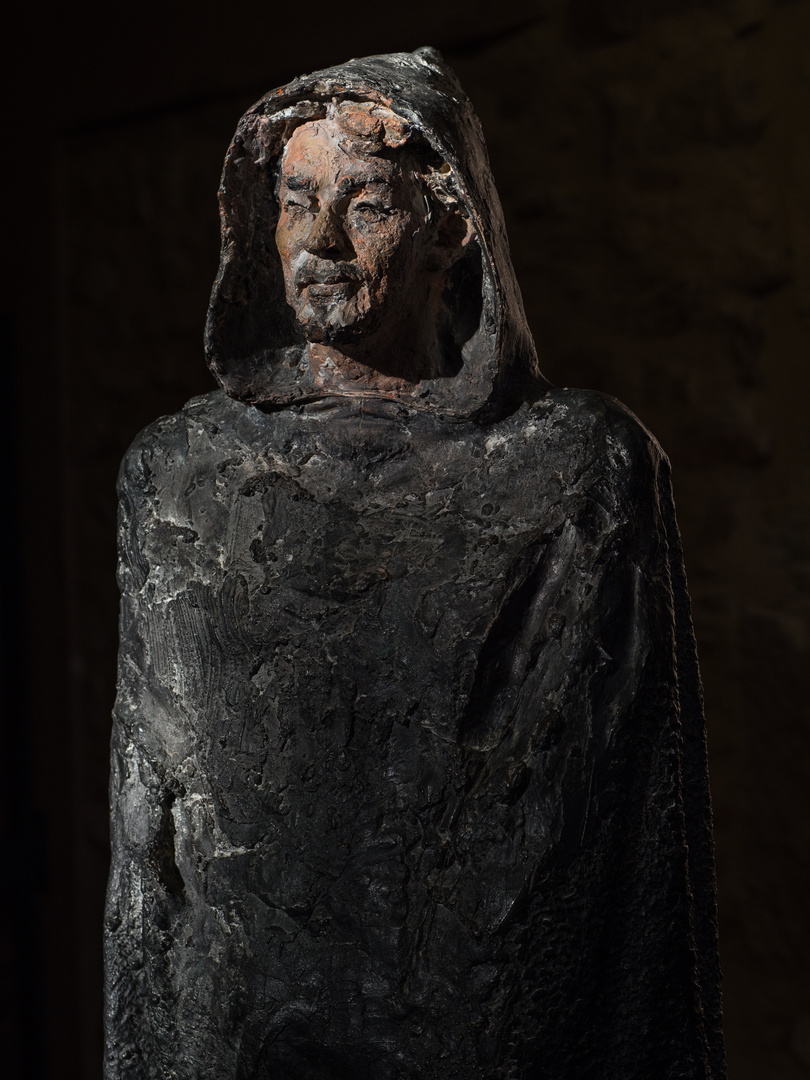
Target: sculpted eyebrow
[{"x": 354, "y": 183}]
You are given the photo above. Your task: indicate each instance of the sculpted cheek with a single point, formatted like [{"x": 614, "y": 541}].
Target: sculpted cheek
[{"x": 386, "y": 251}]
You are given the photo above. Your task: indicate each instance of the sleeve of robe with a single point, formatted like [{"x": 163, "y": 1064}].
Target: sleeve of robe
[
  {"x": 590, "y": 680},
  {"x": 145, "y": 885}
]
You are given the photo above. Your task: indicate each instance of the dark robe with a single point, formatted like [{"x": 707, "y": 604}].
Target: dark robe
[{"x": 409, "y": 774}]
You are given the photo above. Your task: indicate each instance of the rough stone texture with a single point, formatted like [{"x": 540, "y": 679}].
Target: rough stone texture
[
  {"x": 140, "y": 233},
  {"x": 405, "y": 781},
  {"x": 409, "y": 770}
]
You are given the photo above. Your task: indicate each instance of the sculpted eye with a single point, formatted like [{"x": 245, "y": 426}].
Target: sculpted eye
[
  {"x": 371, "y": 211},
  {"x": 296, "y": 208}
]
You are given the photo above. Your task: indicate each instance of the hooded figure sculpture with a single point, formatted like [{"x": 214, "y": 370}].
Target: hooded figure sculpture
[{"x": 408, "y": 769}]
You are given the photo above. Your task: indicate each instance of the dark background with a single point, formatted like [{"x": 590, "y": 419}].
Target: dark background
[{"x": 653, "y": 157}]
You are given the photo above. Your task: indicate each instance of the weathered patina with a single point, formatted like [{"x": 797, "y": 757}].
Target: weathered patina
[{"x": 409, "y": 774}]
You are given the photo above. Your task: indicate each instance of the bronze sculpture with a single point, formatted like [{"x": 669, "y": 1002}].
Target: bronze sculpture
[{"x": 408, "y": 765}]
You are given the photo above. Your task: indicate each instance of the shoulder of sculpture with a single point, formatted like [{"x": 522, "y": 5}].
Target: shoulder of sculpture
[
  {"x": 164, "y": 444},
  {"x": 589, "y": 424}
]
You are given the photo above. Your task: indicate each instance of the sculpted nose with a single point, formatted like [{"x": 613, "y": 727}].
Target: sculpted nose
[{"x": 326, "y": 237}]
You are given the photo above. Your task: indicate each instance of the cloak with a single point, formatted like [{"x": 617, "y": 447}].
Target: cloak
[{"x": 408, "y": 764}]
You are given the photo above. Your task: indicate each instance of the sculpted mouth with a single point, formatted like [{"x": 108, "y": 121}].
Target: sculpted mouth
[
  {"x": 339, "y": 283},
  {"x": 325, "y": 289},
  {"x": 332, "y": 275}
]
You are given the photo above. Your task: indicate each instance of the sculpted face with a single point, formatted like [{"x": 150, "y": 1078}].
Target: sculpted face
[{"x": 351, "y": 235}]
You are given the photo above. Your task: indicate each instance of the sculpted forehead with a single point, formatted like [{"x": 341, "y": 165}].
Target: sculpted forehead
[{"x": 322, "y": 152}]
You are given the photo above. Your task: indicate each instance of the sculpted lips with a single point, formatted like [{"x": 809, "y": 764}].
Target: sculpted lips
[
  {"x": 329, "y": 283},
  {"x": 325, "y": 290}
]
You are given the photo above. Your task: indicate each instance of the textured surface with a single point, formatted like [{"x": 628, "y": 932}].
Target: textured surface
[
  {"x": 138, "y": 250},
  {"x": 398, "y": 755},
  {"x": 409, "y": 776}
]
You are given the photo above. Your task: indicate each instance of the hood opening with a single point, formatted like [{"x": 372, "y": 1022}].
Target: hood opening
[{"x": 255, "y": 348}]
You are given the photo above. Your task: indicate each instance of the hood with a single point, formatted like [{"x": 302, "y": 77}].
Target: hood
[{"x": 253, "y": 346}]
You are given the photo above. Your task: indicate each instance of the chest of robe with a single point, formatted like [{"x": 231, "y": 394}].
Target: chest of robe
[{"x": 379, "y": 673}]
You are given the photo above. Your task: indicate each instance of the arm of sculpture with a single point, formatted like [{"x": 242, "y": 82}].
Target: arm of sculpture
[
  {"x": 597, "y": 701},
  {"x": 144, "y": 880},
  {"x": 633, "y": 785}
]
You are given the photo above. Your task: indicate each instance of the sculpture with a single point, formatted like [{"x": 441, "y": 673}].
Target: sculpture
[{"x": 408, "y": 769}]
